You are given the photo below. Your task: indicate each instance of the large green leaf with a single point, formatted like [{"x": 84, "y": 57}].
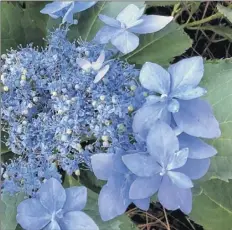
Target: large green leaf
[
  {"x": 161, "y": 47},
  {"x": 218, "y": 82},
  {"x": 120, "y": 223},
  {"x": 8, "y": 210},
  {"x": 226, "y": 11},
  {"x": 213, "y": 208},
  {"x": 22, "y": 26}
]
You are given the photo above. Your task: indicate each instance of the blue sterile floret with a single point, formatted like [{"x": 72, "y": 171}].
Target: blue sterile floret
[
  {"x": 51, "y": 103},
  {"x": 55, "y": 208},
  {"x": 176, "y": 99},
  {"x": 66, "y": 10},
  {"x": 121, "y": 32}
]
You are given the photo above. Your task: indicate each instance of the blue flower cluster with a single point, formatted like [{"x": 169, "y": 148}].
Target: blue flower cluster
[
  {"x": 167, "y": 126},
  {"x": 76, "y": 102},
  {"x": 64, "y": 103},
  {"x": 55, "y": 208}
]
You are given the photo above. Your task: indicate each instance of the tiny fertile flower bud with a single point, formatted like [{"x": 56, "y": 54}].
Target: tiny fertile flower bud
[
  {"x": 64, "y": 137},
  {"x": 105, "y": 138},
  {"x": 69, "y": 131},
  {"x": 102, "y": 97},
  {"x": 25, "y": 112},
  {"x": 133, "y": 87},
  {"x": 30, "y": 105},
  {"x": 130, "y": 108},
  {"x": 94, "y": 103},
  {"x": 145, "y": 94},
  {"x": 107, "y": 122},
  {"x": 105, "y": 144},
  {"x": 77, "y": 172},
  {"x": 54, "y": 94},
  {"x": 77, "y": 87},
  {"x": 23, "y": 77},
  {"x": 35, "y": 99},
  {"x": 5, "y": 88}
]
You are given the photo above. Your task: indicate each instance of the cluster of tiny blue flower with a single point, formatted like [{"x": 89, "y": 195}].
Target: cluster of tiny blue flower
[{"x": 75, "y": 102}]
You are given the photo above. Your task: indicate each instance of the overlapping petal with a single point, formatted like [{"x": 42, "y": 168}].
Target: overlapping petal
[
  {"x": 189, "y": 93},
  {"x": 194, "y": 118},
  {"x": 143, "y": 204},
  {"x": 180, "y": 179},
  {"x": 109, "y": 21}
]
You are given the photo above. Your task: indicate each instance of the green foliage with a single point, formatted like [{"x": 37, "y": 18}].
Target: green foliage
[
  {"x": 226, "y": 11},
  {"x": 8, "y": 210},
  {"x": 22, "y": 26},
  {"x": 213, "y": 208},
  {"x": 218, "y": 81},
  {"x": 120, "y": 223},
  {"x": 162, "y": 3},
  {"x": 161, "y": 47}
]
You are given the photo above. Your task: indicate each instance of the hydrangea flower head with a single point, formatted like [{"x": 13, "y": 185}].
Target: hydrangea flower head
[
  {"x": 129, "y": 22},
  {"x": 177, "y": 96},
  {"x": 169, "y": 167},
  {"x": 114, "y": 196},
  {"x": 66, "y": 9},
  {"x": 56, "y": 208}
]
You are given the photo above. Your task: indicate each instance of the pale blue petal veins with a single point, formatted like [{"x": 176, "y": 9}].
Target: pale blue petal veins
[
  {"x": 129, "y": 14},
  {"x": 144, "y": 187},
  {"x": 194, "y": 168},
  {"x": 151, "y": 24},
  {"x": 53, "y": 225},
  {"x": 141, "y": 165},
  {"x": 198, "y": 149},
  {"x": 52, "y": 195},
  {"x": 189, "y": 93},
  {"x": 147, "y": 116},
  {"x": 76, "y": 198},
  {"x": 155, "y": 78},
  {"x": 143, "y": 204},
  {"x": 187, "y": 72},
  {"x": 106, "y": 33},
  {"x": 125, "y": 42},
  {"x": 196, "y": 118},
  {"x": 30, "y": 212},
  {"x": 78, "y": 220},
  {"x": 180, "y": 179},
  {"x": 162, "y": 142},
  {"x": 172, "y": 197},
  {"x": 109, "y": 21},
  {"x": 178, "y": 159},
  {"x": 173, "y": 106},
  {"x": 101, "y": 73},
  {"x": 102, "y": 164}
]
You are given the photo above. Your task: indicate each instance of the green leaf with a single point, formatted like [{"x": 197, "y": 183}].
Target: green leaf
[
  {"x": 22, "y": 26},
  {"x": 226, "y": 11},
  {"x": 213, "y": 208},
  {"x": 120, "y": 223},
  {"x": 162, "y": 3},
  {"x": 9, "y": 210},
  {"x": 224, "y": 31},
  {"x": 88, "y": 22},
  {"x": 218, "y": 82},
  {"x": 161, "y": 47}
]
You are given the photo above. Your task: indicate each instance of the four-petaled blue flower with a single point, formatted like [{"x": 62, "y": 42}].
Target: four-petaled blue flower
[
  {"x": 130, "y": 21},
  {"x": 177, "y": 97},
  {"x": 167, "y": 169},
  {"x": 114, "y": 196},
  {"x": 66, "y": 9},
  {"x": 55, "y": 209},
  {"x": 96, "y": 67}
]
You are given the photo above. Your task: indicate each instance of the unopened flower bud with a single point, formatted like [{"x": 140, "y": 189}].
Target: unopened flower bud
[
  {"x": 69, "y": 131},
  {"x": 5, "y": 88},
  {"x": 130, "y": 108},
  {"x": 54, "y": 93}
]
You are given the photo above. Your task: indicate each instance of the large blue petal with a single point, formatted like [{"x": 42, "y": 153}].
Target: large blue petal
[
  {"x": 52, "y": 195},
  {"x": 141, "y": 164},
  {"x": 118, "y": 165},
  {"x": 125, "y": 42},
  {"x": 76, "y": 198},
  {"x": 195, "y": 169},
  {"x": 187, "y": 72},
  {"x": 106, "y": 33},
  {"x": 155, "y": 78},
  {"x": 147, "y": 116},
  {"x": 129, "y": 14},
  {"x": 144, "y": 187},
  {"x": 114, "y": 197},
  {"x": 162, "y": 142},
  {"x": 151, "y": 24},
  {"x": 77, "y": 220},
  {"x": 180, "y": 179},
  {"x": 68, "y": 16},
  {"x": 143, "y": 204},
  {"x": 172, "y": 197},
  {"x": 109, "y": 21},
  {"x": 30, "y": 213},
  {"x": 178, "y": 159},
  {"x": 102, "y": 164},
  {"x": 198, "y": 149},
  {"x": 54, "y": 7},
  {"x": 196, "y": 118}
]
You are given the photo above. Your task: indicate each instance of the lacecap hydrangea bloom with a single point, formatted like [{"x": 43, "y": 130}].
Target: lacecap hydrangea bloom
[
  {"x": 121, "y": 32},
  {"x": 66, "y": 10},
  {"x": 55, "y": 208},
  {"x": 176, "y": 97}
]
